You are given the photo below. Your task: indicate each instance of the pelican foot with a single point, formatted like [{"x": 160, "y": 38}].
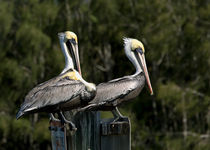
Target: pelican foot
[
  {"x": 52, "y": 118},
  {"x": 86, "y": 108},
  {"x": 120, "y": 119},
  {"x": 64, "y": 120}
]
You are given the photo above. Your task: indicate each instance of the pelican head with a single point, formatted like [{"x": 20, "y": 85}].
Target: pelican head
[
  {"x": 135, "y": 52},
  {"x": 71, "y": 42},
  {"x": 71, "y": 36}
]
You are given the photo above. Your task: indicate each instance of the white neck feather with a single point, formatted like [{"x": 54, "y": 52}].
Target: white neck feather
[
  {"x": 68, "y": 59},
  {"x": 131, "y": 56}
]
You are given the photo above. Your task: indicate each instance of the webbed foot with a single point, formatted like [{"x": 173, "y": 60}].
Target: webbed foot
[
  {"x": 52, "y": 117},
  {"x": 64, "y": 120},
  {"x": 118, "y": 117}
]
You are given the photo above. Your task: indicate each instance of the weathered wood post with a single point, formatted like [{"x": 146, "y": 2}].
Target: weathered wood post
[
  {"x": 58, "y": 135},
  {"x": 87, "y": 135},
  {"x": 94, "y": 133},
  {"x": 115, "y": 135}
]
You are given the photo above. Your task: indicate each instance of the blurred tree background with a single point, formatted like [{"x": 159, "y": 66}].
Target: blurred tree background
[{"x": 176, "y": 35}]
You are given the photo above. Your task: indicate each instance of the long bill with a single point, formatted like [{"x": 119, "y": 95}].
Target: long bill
[
  {"x": 68, "y": 59},
  {"x": 73, "y": 48},
  {"x": 77, "y": 59},
  {"x": 144, "y": 65}
]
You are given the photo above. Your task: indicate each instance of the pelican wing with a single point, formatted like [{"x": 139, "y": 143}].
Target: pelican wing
[
  {"x": 113, "y": 92},
  {"x": 50, "y": 94}
]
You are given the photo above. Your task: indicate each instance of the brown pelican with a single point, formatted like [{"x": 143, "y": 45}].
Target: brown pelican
[
  {"x": 64, "y": 92},
  {"x": 111, "y": 94}
]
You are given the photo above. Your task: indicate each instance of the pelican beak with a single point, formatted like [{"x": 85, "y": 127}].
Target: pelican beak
[
  {"x": 73, "y": 48},
  {"x": 144, "y": 66}
]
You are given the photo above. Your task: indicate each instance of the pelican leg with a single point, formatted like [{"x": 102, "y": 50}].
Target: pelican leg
[
  {"x": 89, "y": 107},
  {"x": 117, "y": 115},
  {"x": 52, "y": 117},
  {"x": 64, "y": 120}
]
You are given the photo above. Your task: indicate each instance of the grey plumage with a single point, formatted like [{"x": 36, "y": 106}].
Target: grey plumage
[
  {"x": 54, "y": 95},
  {"x": 114, "y": 92}
]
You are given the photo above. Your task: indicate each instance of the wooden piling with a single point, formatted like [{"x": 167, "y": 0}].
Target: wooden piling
[{"x": 95, "y": 133}]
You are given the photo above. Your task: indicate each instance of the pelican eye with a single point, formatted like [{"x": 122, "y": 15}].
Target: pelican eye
[
  {"x": 71, "y": 36},
  {"x": 73, "y": 41},
  {"x": 139, "y": 50}
]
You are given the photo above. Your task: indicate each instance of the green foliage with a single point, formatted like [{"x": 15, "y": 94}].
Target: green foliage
[
  {"x": 39, "y": 135},
  {"x": 176, "y": 39},
  {"x": 6, "y": 18}
]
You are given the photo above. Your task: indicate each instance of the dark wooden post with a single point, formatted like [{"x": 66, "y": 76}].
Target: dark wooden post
[
  {"x": 87, "y": 136},
  {"x": 94, "y": 133},
  {"x": 58, "y": 135},
  {"x": 115, "y": 135}
]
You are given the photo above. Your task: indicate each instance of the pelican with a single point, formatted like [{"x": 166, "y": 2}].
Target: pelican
[
  {"x": 64, "y": 92},
  {"x": 110, "y": 94}
]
